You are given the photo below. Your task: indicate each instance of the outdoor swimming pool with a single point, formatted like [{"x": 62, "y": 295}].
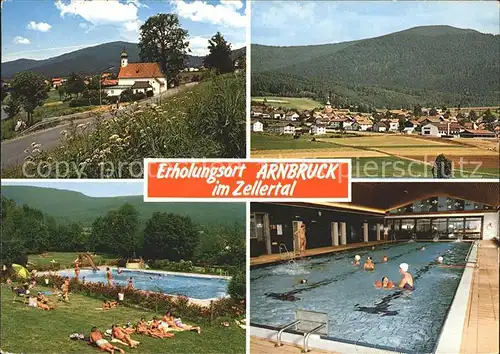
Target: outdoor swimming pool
[
  {"x": 358, "y": 312},
  {"x": 195, "y": 287}
]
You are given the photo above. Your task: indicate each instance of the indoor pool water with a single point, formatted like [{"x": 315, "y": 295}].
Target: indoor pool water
[
  {"x": 358, "y": 312},
  {"x": 191, "y": 286}
]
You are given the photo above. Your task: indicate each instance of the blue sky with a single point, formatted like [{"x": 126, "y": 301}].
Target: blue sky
[
  {"x": 305, "y": 22},
  {"x": 92, "y": 189},
  {"x": 42, "y": 29}
]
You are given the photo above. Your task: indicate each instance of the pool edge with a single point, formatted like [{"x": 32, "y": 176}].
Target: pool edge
[{"x": 450, "y": 338}]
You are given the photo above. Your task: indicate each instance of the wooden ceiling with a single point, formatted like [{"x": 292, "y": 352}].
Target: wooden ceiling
[{"x": 390, "y": 195}]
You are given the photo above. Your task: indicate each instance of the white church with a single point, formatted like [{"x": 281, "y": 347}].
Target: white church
[{"x": 140, "y": 77}]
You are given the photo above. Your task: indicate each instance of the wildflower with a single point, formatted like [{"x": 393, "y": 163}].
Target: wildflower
[{"x": 114, "y": 136}]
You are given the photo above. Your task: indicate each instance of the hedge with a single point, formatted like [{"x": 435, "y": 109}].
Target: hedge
[{"x": 224, "y": 307}]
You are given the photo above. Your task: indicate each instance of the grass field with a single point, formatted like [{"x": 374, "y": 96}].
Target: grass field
[
  {"x": 31, "y": 330},
  {"x": 405, "y": 153},
  {"x": 289, "y": 102},
  {"x": 63, "y": 258}
]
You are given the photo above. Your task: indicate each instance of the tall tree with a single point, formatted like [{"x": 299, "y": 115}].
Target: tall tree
[
  {"x": 13, "y": 106},
  {"x": 30, "y": 89},
  {"x": 75, "y": 84},
  {"x": 163, "y": 41},
  {"x": 61, "y": 90},
  {"x": 170, "y": 236},
  {"x": 220, "y": 55}
]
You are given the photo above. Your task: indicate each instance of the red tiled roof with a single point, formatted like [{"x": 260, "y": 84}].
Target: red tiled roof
[
  {"x": 140, "y": 70},
  {"x": 107, "y": 82}
]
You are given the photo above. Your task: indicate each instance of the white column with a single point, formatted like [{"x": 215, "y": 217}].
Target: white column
[
  {"x": 335, "y": 233},
  {"x": 343, "y": 234},
  {"x": 365, "y": 232},
  {"x": 379, "y": 229}
]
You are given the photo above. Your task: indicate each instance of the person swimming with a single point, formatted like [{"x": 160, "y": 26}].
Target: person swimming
[
  {"x": 384, "y": 259},
  {"x": 440, "y": 259},
  {"x": 369, "y": 265},
  {"x": 373, "y": 248},
  {"x": 357, "y": 260},
  {"x": 303, "y": 281},
  {"x": 423, "y": 248},
  {"x": 385, "y": 283},
  {"x": 406, "y": 281}
]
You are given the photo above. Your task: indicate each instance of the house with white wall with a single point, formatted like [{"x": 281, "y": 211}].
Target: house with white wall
[
  {"x": 139, "y": 77},
  {"x": 257, "y": 127},
  {"x": 318, "y": 129}
]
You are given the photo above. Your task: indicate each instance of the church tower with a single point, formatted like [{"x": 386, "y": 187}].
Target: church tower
[{"x": 124, "y": 58}]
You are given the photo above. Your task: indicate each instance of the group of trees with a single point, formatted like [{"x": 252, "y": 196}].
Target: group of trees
[{"x": 122, "y": 233}]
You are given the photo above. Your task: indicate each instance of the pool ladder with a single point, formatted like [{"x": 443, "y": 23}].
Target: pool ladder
[{"x": 285, "y": 255}]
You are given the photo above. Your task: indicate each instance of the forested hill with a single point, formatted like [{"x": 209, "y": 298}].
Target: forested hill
[
  {"x": 74, "y": 206},
  {"x": 432, "y": 65}
]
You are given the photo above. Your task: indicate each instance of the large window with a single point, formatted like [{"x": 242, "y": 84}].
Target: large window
[
  {"x": 472, "y": 228},
  {"x": 439, "y": 227},
  {"x": 423, "y": 228},
  {"x": 455, "y": 227}
]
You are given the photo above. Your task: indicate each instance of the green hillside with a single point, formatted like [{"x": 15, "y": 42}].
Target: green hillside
[
  {"x": 427, "y": 65},
  {"x": 75, "y": 206}
]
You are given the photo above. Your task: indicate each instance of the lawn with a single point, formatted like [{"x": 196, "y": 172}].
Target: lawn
[
  {"x": 283, "y": 142},
  {"x": 64, "y": 258},
  {"x": 290, "y": 102},
  {"x": 31, "y": 330}
]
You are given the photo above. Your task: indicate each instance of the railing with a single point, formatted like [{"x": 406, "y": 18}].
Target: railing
[{"x": 284, "y": 249}]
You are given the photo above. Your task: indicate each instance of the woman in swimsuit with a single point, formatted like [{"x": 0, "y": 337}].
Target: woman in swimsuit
[
  {"x": 406, "y": 278},
  {"x": 176, "y": 323},
  {"x": 369, "y": 264}
]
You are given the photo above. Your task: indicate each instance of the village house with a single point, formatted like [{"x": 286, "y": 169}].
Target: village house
[
  {"x": 57, "y": 81},
  {"x": 292, "y": 116},
  {"x": 257, "y": 111},
  {"x": 139, "y": 77},
  {"x": 278, "y": 114},
  {"x": 380, "y": 127},
  {"x": 283, "y": 128},
  {"x": 410, "y": 126},
  {"x": 430, "y": 119},
  {"x": 317, "y": 129},
  {"x": 441, "y": 130},
  {"x": 364, "y": 124},
  {"x": 474, "y": 133},
  {"x": 393, "y": 125},
  {"x": 257, "y": 127},
  {"x": 338, "y": 123}
]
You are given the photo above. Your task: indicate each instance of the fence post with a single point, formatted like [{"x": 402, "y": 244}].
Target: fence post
[{"x": 211, "y": 311}]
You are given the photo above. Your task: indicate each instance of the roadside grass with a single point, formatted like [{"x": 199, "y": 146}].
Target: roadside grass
[
  {"x": 65, "y": 259},
  {"x": 31, "y": 330},
  {"x": 63, "y": 109},
  {"x": 205, "y": 121},
  {"x": 289, "y": 102}
]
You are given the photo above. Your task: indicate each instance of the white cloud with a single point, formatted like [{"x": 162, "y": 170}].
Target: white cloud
[
  {"x": 40, "y": 26},
  {"x": 83, "y": 25},
  {"x": 111, "y": 12},
  {"x": 21, "y": 40},
  {"x": 225, "y": 14}
]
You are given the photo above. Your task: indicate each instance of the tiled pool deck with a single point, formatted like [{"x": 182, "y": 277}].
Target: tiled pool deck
[
  {"x": 271, "y": 258},
  {"x": 480, "y": 333},
  {"x": 264, "y": 346}
]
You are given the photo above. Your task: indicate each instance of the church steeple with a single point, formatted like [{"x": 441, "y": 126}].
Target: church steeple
[
  {"x": 328, "y": 101},
  {"x": 124, "y": 58}
]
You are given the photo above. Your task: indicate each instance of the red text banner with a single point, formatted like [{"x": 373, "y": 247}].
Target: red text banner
[{"x": 241, "y": 180}]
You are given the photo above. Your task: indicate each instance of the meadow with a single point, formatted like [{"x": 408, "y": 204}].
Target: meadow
[
  {"x": 414, "y": 155},
  {"x": 31, "y": 330},
  {"x": 289, "y": 102}
]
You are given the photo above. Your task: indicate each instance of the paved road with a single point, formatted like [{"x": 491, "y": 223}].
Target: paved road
[{"x": 13, "y": 150}]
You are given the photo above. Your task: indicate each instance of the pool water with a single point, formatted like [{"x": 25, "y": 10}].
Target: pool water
[
  {"x": 407, "y": 321},
  {"x": 191, "y": 286}
]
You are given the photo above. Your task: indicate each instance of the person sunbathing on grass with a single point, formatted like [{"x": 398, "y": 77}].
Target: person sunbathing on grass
[
  {"x": 121, "y": 334},
  {"x": 176, "y": 323},
  {"x": 109, "y": 305},
  {"x": 97, "y": 338},
  {"x": 43, "y": 302},
  {"x": 159, "y": 328},
  {"x": 142, "y": 328}
]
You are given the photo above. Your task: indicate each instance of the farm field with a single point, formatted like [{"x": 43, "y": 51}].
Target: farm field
[
  {"x": 289, "y": 102},
  {"x": 414, "y": 155}
]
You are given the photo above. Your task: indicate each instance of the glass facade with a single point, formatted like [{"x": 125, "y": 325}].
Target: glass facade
[{"x": 440, "y": 204}]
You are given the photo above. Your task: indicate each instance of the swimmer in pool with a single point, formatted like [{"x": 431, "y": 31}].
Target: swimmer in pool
[
  {"x": 384, "y": 259},
  {"x": 440, "y": 259},
  {"x": 303, "y": 281},
  {"x": 373, "y": 248},
  {"x": 423, "y": 248},
  {"x": 406, "y": 281},
  {"x": 357, "y": 260},
  {"x": 385, "y": 283},
  {"x": 440, "y": 264},
  {"x": 369, "y": 265}
]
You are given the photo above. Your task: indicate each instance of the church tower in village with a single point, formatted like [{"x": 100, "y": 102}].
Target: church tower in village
[{"x": 124, "y": 59}]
